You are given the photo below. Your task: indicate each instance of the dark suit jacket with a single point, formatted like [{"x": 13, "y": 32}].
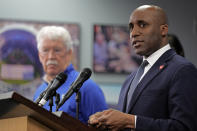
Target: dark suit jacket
[{"x": 166, "y": 97}]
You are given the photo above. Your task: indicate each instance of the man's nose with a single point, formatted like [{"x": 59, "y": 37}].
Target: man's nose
[
  {"x": 134, "y": 32},
  {"x": 51, "y": 54}
]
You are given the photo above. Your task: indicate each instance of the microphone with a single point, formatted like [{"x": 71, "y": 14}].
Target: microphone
[
  {"x": 76, "y": 85},
  {"x": 57, "y": 82},
  {"x": 43, "y": 93}
]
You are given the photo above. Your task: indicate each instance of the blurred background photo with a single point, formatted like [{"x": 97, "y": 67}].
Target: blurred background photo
[{"x": 20, "y": 68}]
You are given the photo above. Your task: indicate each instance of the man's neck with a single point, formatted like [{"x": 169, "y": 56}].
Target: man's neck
[{"x": 48, "y": 78}]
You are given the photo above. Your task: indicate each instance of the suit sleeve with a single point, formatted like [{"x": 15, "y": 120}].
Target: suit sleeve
[{"x": 182, "y": 104}]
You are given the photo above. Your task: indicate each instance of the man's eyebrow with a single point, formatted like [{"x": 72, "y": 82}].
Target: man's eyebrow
[{"x": 141, "y": 21}]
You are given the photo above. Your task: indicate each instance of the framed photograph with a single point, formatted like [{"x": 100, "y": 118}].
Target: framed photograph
[
  {"x": 20, "y": 68},
  {"x": 112, "y": 52}
]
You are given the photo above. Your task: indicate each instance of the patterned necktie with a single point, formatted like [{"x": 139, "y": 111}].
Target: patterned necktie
[{"x": 135, "y": 81}]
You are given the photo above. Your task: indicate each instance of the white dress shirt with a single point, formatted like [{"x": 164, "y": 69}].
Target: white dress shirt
[{"x": 153, "y": 58}]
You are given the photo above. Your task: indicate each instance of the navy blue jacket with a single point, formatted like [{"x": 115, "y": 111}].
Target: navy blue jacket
[{"x": 166, "y": 97}]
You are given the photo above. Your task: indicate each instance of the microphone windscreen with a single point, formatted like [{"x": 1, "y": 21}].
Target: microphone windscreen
[
  {"x": 61, "y": 77},
  {"x": 86, "y": 73}
]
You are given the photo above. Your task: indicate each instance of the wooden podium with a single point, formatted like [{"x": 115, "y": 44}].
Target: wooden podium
[{"x": 20, "y": 114}]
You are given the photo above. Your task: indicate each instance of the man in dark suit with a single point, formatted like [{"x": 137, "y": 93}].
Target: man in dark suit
[{"x": 165, "y": 96}]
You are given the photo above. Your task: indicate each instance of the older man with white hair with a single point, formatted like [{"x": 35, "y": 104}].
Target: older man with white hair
[{"x": 55, "y": 53}]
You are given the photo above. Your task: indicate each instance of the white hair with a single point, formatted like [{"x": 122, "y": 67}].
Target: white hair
[{"x": 54, "y": 33}]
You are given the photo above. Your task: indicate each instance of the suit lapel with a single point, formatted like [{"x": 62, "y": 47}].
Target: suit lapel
[
  {"x": 158, "y": 67},
  {"x": 125, "y": 92}
]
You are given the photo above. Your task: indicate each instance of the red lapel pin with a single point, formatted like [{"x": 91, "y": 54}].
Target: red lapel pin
[{"x": 161, "y": 67}]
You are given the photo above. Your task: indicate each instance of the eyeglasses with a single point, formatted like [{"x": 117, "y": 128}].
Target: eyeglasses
[{"x": 56, "y": 51}]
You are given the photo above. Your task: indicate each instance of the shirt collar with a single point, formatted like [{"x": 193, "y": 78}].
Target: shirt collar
[
  {"x": 155, "y": 56},
  {"x": 69, "y": 69}
]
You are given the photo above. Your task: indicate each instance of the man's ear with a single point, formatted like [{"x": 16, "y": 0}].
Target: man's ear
[
  {"x": 70, "y": 52},
  {"x": 164, "y": 29},
  {"x": 70, "y": 55}
]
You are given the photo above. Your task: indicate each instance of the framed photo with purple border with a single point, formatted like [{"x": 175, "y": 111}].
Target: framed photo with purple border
[
  {"x": 20, "y": 68},
  {"x": 112, "y": 52}
]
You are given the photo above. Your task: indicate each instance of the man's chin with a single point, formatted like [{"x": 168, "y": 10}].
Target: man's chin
[
  {"x": 138, "y": 52},
  {"x": 52, "y": 73}
]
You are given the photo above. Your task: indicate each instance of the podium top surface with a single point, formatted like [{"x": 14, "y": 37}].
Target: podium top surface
[{"x": 15, "y": 105}]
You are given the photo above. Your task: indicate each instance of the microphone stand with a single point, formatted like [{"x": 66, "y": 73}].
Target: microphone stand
[
  {"x": 77, "y": 99},
  {"x": 57, "y": 100},
  {"x": 51, "y": 103}
]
